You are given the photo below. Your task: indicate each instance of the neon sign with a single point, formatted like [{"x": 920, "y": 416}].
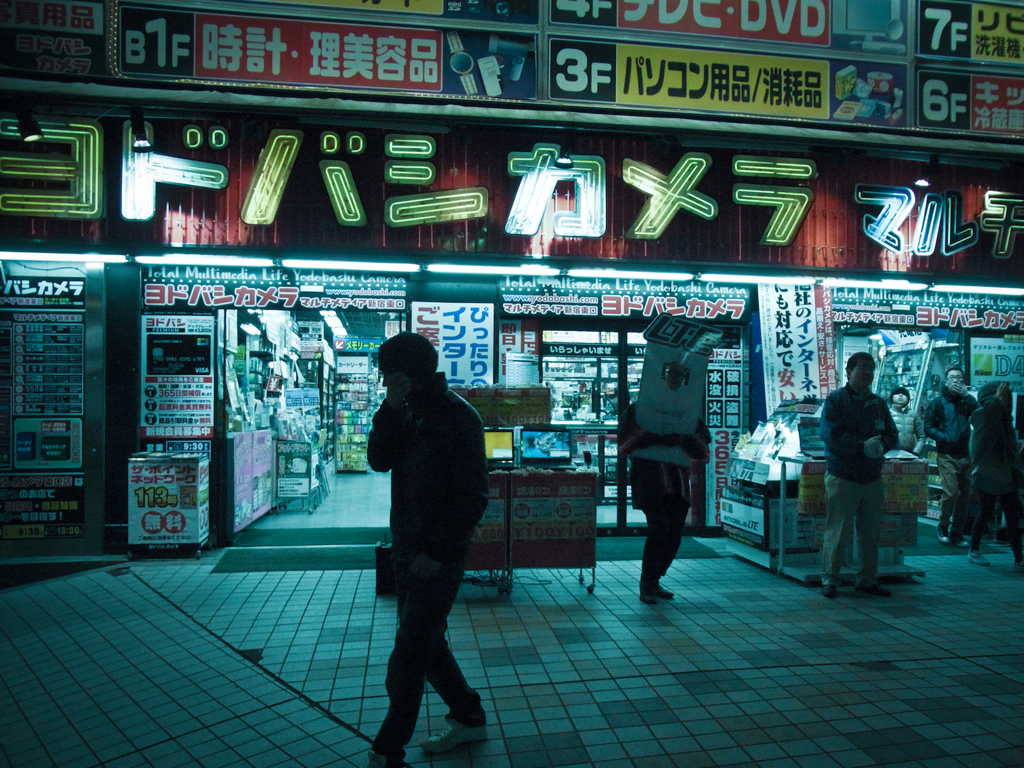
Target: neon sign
[{"x": 940, "y": 220}]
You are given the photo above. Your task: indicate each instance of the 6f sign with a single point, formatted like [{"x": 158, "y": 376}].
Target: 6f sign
[{"x": 944, "y": 100}]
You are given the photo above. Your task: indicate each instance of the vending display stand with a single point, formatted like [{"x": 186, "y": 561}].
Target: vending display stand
[
  {"x": 168, "y": 503},
  {"x": 774, "y": 510}
]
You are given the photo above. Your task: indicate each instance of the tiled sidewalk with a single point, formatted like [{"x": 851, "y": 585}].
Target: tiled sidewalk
[{"x": 165, "y": 663}]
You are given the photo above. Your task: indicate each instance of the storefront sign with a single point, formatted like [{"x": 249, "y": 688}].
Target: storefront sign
[
  {"x": 177, "y": 377},
  {"x": 872, "y": 308},
  {"x": 985, "y": 103},
  {"x": 728, "y": 82},
  {"x": 169, "y": 43},
  {"x": 42, "y": 292},
  {"x": 464, "y": 337},
  {"x": 475, "y": 10},
  {"x": 42, "y": 506},
  {"x": 724, "y": 415},
  {"x": 989, "y": 32},
  {"x": 618, "y": 297},
  {"x": 58, "y": 37}
]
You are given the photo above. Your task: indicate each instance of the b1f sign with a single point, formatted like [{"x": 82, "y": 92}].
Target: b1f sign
[{"x": 997, "y": 360}]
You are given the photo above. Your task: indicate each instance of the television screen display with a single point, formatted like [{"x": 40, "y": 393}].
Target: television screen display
[
  {"x": 498, "y": 444},
  {"x": 545, "y": 444}
]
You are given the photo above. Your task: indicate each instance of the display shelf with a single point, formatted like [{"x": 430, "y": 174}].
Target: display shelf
[{"x": 352, "y": 419}]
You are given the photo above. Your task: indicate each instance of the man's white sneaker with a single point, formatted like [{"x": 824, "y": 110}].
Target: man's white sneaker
[
  {"x": 456, "y": 733},
  {"x": 376, "y": 761},
  {"x": 977, "y": 558}
]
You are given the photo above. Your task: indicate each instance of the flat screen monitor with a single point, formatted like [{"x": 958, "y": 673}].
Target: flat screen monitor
[
  {"x": 875, "y": 20},
  {"x": 498, "y": 443},
  {"x": 545, "y": 446}
]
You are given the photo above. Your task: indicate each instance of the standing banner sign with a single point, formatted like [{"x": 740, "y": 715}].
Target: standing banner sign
[{"x": 464, "y": 337}]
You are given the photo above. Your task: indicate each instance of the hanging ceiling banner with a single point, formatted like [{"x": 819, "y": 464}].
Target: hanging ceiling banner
[{"x": 187, "y": 47}]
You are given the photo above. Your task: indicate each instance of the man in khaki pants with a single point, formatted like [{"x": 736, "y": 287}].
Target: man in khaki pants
[{"x": 857, "y": 430}]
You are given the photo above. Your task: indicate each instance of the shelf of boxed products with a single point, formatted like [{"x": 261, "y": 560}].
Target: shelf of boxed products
[{"x": 352, "y": 417}]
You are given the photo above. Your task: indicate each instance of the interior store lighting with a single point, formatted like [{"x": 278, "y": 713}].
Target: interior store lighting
[
  {"x": 103, "y": 258},
  {"x": 612, "y": 274},
  {"x": 994, "y": 290},
  {"x": 250, "y": 329},
  {"x": 888, "y": 284},
  {"x": 754, "y": 279},
  {"x": 364, "y": 266},
  {"x": 480, "y": 269},
  {"x": 28, "y": 127},
  {"x": 198, "y": 260}
]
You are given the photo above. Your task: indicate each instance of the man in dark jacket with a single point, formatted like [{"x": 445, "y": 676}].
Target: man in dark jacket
[
  {"x": 432, "y": 442},
  {"x": 948, "y": 422},
  {"x": 857, "y": 431}
]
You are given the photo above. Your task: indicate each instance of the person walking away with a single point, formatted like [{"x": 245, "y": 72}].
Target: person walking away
[
  {"x": 857, "y": 431},
  {"x": 948, "y": 422},
  {"x": 909, "y": 425},
  {"x": 432, "y": 442},
  {"x": 996, "y": 468},
  {"x": 662, "y": 492}
]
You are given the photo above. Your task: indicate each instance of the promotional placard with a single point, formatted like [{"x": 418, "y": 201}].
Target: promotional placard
[
  {"x": 168, "y": 500},
  {"x": 177, "y": 377}
]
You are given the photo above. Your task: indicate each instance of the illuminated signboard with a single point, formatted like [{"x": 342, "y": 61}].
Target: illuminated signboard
[
  {"x": 170, "y": 43},
  {"x": 727, "y": 82},
  {"x": 985, "y": 103},
  {"x": 59, "y": 37},
  {"x": 990, "y": 32}
]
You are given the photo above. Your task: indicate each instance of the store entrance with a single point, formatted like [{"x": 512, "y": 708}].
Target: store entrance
[{"x": 310, "y": 378}]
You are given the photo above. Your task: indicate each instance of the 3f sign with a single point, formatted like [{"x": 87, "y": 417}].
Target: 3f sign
[{"x": 939, "y": 105}]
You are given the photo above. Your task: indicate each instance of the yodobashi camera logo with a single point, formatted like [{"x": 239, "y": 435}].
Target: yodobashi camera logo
[{"x": 983, "y": 365}]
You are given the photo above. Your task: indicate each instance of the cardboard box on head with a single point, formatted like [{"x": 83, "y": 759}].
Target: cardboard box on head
[{"x": 672, "y": 385}]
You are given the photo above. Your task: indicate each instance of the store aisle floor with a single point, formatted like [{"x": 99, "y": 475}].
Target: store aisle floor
[{"x": 167, "y": 663}]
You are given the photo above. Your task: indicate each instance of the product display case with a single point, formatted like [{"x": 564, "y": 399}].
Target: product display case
[{"x": 352, "y": 416}]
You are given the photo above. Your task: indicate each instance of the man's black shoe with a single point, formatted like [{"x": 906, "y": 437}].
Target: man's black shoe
[
  {"x": 875, "y": 590},
  {"x": 829, "y": 591}
]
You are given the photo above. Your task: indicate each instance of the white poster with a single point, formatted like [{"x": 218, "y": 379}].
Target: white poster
[
  {"x": 798, "y": 340},
  {"x": 464, "y": 337}
]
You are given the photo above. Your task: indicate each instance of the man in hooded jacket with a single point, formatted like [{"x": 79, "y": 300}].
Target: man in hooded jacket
[{"x": 432, "y": 442}]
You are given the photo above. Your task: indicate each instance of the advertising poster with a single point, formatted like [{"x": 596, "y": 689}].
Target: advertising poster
[
  {"x": 728, "y": 82},
  {"x": 241, "y": 444},
  {"x": 798, "y": 362},
  {"x": 997, "y": 360},
  {"x": 42, "y": 506},
  {"x": 168, "y": 500},
  {"x": 177, "y": 377},
  {"x": 324, "y": 54},
  {"x": 55, "y": 37},
  {"x": 464, "y": 337},
  {"x": 724, "y": 416},
  {"x": 294, "y": 469}
]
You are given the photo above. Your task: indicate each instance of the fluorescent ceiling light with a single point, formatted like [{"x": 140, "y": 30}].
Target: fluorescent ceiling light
[
  {"x": 479, "y": 269},
  {"x": 199, "y": 260},
  {"x": 626, "y": 274},
  {"x": 250, "y": 329},
  {"x": 365, "y": 266},
  {"x": 996, "y": 291},
  {"x": 875, "y": 337},
  {"x": 779, "y": 279},
  {"x": 894, "y": 285},
  {"x": 105, "y": 258}
]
